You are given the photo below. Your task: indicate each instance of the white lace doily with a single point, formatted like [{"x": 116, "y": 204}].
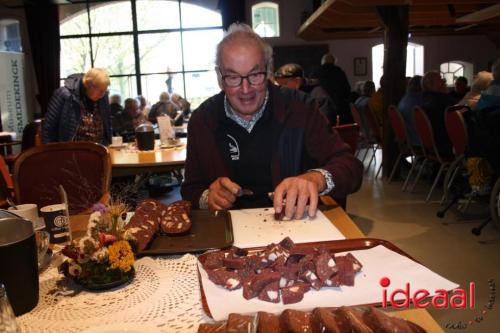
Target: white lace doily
[{"x": 164, "y": 293}]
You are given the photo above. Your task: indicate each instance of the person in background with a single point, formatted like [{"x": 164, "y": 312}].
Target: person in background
[
  {"x": 435, "y": 101},
  {"x": 254, "y": 138},
  {"x": 412, "y": 98},
  {"x": 115, "y": 104},
  {"x": 79, "y": 111},
  {"x": 292, "y": 76},
  {"x": 182, "y": 104},
  {"x": 376, "y": 102},
  {"x": 129, "y": 119},
  {"x": 333, "y": 80},
  {"x": 361, "y": 103},
  {"x": 461, "y": 88},
  {"x": 144, "y": 106},
  {"x": 490, "y": 98},
  {"x": 165, "y": 107},
  {"x": 479, "y": 84}
]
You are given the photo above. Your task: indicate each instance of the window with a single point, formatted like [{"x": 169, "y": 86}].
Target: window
[
  {"x": 414, "y": 61},
  {"x": 453, "y": 69},
  {"x": 10, "y": 37},
  {"x": 265, "y": 19},
  {"x": 143, "y": 44}
]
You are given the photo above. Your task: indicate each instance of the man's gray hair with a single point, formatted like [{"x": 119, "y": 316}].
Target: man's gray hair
[{"x": 243, "y": 31}]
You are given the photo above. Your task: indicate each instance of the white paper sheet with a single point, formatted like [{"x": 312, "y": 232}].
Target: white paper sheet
[
  {"x": 257, "y": 227},
  {"x": 165, "y": 128},
  {"x": 377, "y": 262}
]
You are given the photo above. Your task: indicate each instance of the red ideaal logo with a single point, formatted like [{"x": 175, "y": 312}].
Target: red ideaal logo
[{"x": 458, "y": 298}]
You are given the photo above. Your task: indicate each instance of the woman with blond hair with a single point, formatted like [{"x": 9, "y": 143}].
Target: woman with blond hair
[{"x": 79, "y": 111}]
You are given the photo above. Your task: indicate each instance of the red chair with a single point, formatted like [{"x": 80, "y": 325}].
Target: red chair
[
  {"x": 405, "y": 148},
  {"x": 430, "y": 152},
  {"x": 6, "y": 183},
  {"x": 456, "y": 128},
  {"x": 349, "y": 134}
]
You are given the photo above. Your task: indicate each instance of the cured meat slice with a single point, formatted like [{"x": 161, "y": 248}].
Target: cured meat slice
[
  {"x": 297, "y": 321},
  {"x": 227, "y": 279},
  {"x": 355, "y": 316},
  {"x": 379, "y": 321},
  {"x": 328, "y": 321},
  {"x": 325, "y": 266},
  {"x": 212, "y": 328},
  {"x": 237, "y": 323},
  {"x": 269, "y": 323},
  {"x": 175, "y": 218},
  {"x": 261, "y": 280},
  {"x": 270, "y": 293},
  {"x": 295, "y": 293},
  {"x": 214, "y": 260}
]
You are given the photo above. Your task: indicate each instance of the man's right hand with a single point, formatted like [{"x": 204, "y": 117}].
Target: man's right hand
[{"x": 222, "y": 193}]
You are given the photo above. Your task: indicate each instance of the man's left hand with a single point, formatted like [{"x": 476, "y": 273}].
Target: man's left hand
[{"x": 298, "y": 191}]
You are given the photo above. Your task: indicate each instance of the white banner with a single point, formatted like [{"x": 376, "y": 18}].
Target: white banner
[{"x": 12, "y": 93}]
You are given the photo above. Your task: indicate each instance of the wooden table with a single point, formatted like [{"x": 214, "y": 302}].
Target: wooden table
[
  {"x": 129, "y": 161},
  {"x": 347, "y": 227}
]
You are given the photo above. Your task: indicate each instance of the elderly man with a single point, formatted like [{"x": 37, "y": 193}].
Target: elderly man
[
  {"x": 79, "y": 111},
  {"x": 435, "y": 101},
  {"x": 290, "y": 75},
  {"x": 254, "y": 138}
]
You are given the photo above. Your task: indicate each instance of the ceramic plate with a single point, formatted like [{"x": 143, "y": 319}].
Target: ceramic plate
[
  {"x": 118, "y": 146},
  {"x": 123, "y": 328}
]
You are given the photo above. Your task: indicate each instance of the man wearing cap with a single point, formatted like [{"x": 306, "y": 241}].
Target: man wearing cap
[{"x": 292, "y": 76}]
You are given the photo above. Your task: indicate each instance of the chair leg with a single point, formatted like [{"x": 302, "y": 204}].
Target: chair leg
[
  {"x": 396, "y": 164},
  {"x": 435, "y": 181},
  {"x": 366, "y": 153},
  {"x": 413, "y": 166},
  {"x": 379, "y": 168},
  {"x": 453, "y": 169},
  {"x": 374, "y": 156},
  {"x": 418, "y": 175}
]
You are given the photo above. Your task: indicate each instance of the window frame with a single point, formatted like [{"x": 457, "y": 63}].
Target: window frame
[
  {"x": 267, "y": 4},
  {"x": 135, "y": 33}
]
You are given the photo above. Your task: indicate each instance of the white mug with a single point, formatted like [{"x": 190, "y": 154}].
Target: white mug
[
  {"x": 116, "y": 141},
  {"x": 26, "y": 211}
]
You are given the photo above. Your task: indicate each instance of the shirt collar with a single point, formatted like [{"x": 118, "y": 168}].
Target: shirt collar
[{"x": 246, "y": 124}]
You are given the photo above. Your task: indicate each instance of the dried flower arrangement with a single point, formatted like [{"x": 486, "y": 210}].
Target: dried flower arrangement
[{"x": 103, "y": 258}]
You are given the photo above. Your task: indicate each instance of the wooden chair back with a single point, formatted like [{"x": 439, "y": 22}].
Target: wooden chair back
[{"x": 82, "y": 168}]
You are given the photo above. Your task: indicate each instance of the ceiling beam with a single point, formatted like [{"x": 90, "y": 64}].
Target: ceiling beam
[{"x": 481, "y": 15}]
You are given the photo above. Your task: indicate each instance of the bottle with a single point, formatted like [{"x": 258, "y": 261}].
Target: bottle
[{"x": 8, "y": 322}]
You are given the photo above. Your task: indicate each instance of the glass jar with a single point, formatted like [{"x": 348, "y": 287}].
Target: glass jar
[{"x": 8, "y": 322}]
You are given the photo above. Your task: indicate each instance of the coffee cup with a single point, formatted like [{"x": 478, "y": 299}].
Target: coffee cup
[
  {"x": 56, "y": 222},
  {"x": 28, "y": 212},
  {"x": 116, "y": 141}
]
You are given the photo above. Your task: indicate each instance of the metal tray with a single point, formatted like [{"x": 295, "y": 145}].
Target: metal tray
[
  {"x": 333, "y": 246},
  {"x": 209, "y": 231}
]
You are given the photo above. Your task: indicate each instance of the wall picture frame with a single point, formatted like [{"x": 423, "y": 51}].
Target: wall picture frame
[{"x": 360, "y": 66}]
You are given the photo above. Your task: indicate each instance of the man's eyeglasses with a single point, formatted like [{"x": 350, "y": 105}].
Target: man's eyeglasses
[{"x": 255, "y": 79}]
